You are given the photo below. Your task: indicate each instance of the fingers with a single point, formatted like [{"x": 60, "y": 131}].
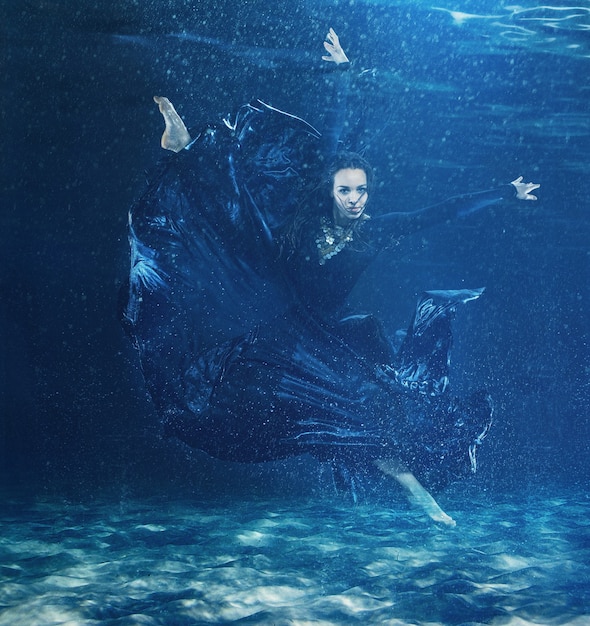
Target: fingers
[
  {"x": 334, "y": 49},
  {"x": 524, "y": 188},
  {"x": 332, "y": 37},
  {"x": 528, "y": 187},
  {"x": 331, "y": 50}
]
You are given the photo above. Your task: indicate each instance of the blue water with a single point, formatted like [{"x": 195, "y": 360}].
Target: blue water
[{"x": 104, "y": 522}]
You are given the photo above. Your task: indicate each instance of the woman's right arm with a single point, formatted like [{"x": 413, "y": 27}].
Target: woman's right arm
[{"x": 336, "y": 108}]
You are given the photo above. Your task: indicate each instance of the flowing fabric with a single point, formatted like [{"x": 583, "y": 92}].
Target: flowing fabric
[{"x": 236, "y": 363}]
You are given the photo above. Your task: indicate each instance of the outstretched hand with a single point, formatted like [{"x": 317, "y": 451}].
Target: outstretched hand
[
  {"x": 335, "y": 52},
  {"x": 523, "y": 190}
]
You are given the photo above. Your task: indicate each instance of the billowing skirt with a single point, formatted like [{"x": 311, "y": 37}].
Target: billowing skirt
[{"x": 235, "y": 366}]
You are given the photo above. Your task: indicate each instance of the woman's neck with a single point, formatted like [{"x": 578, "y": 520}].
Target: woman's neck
[{"x": 339, "y": 220}]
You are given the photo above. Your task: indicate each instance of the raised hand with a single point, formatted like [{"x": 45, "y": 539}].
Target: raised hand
[{"x": 335, "y": 52}]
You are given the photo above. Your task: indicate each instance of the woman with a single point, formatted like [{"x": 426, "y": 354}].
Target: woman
[
  {"x": 332, "y": 238},
  {"x": 250, "y": 359},
  {"x": 328, "y": 246}
]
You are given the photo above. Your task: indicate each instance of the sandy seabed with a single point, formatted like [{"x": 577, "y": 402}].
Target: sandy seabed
[{"x": 514, "y": 559}]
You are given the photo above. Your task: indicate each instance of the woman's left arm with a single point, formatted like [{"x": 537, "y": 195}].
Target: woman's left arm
[
  {"x": 404, "y": 223},
  {"x": 523, "y": 190}
]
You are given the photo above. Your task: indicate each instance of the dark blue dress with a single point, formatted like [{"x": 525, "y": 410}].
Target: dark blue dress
[{"x": 249, "y": 359}]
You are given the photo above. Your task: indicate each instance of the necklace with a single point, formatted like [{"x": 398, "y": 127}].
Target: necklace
[{"x": 332, "y": 239}]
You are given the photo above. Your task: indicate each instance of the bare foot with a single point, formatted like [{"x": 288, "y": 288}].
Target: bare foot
[
  {"x": 431, "y": 507},
  {"x": 417, "y": 494},
  {"x": 176, "y": 136}
]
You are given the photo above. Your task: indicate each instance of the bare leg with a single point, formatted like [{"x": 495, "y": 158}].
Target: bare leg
[
  {"x": 175, "y": 136},
  {"x": 417, "y": 494}
]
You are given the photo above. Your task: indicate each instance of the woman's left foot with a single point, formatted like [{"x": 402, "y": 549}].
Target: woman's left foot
[{"x": 176, "y": 136}]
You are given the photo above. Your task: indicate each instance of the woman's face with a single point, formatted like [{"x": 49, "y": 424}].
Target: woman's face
[{"x": 350, "y": 194}]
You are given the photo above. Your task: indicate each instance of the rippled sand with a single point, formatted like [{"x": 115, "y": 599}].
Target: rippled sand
[{"x": 519, "y": 559}]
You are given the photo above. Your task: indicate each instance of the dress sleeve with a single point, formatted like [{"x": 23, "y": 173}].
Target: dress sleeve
[
  {"x": 336, "y": 109},
  {"x": 405, "y": 223}
]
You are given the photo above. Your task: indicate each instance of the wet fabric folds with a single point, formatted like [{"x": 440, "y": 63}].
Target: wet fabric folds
[{"x": 236, "y": 365}]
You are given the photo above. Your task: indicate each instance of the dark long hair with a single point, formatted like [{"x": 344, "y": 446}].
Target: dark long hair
[{"x": 311, "y": 209}]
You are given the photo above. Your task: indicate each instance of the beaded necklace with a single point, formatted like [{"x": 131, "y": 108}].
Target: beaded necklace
[{"x": 333, "y": 239}]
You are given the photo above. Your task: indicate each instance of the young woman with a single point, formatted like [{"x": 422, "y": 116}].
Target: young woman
[
  {"x": 333, "y": 238},
  {"x": 237, "y": 305}
]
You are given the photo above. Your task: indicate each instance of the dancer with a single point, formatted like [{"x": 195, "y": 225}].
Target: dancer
[{"x": 236, "y": 298}]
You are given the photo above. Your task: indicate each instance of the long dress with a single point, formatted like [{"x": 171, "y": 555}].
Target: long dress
[{"x": 238, "y": 357}]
